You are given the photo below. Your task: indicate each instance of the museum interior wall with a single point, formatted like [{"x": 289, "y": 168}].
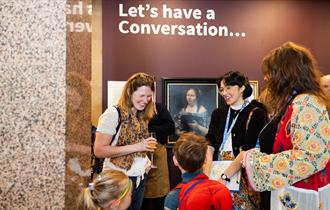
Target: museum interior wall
[{"x": 266, "y": 25}]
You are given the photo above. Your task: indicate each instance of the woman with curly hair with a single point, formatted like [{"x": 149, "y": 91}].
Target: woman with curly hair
[{"x": 297, "y": 171}]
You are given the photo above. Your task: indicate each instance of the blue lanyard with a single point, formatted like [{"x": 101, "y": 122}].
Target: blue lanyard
[{"x": 227, "y": 131}]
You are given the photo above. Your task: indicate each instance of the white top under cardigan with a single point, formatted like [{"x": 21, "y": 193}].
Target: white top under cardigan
[{"x": 107, "y": 124}]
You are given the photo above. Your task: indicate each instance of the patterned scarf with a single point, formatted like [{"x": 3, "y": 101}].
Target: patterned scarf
[{"x": 133, "y": 130}]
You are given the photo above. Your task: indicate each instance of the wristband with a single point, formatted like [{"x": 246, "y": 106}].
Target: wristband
[{"x": 224, "y": 177}]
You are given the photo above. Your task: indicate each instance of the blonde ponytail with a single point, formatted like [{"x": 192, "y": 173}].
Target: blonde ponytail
[{"x": 105, "y": 187}]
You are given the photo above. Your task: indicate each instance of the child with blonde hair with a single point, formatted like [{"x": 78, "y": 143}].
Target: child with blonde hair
[{"x": 110, "y": 190}]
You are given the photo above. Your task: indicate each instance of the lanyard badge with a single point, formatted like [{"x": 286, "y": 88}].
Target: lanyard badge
[{"x": 228, "y": 128}]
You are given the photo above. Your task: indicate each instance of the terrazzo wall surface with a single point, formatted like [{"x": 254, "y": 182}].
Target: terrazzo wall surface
[{"x": 32, "y": 104}]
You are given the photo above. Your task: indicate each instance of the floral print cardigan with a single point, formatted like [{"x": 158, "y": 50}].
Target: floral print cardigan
[{"x": 301, "y": 150}]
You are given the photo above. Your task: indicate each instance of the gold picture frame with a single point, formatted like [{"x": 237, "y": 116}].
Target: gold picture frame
[
  {"x": 255, "y": 89},
  {"x": 174, "y": 97}
]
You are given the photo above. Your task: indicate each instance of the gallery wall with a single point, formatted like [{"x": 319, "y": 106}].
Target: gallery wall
[{"x": 266, "y": 25}]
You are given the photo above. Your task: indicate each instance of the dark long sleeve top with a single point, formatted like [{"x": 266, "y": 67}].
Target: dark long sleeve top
[
  {"x": 162, "y": 123},
  {"x": 241, "y": 137}
]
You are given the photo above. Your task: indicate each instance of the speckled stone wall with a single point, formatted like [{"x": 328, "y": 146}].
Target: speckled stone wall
[{"x": 32, "y": 104}]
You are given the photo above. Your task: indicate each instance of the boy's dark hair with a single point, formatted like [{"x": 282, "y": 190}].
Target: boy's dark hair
[{"x": 190, "y": 151}]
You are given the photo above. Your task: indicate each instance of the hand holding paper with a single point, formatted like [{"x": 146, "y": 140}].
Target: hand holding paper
[{"x": 218, "y": 168}]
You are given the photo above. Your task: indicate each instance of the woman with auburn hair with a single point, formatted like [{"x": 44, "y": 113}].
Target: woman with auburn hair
[
  {"x": 110, "y": 190},
  {"x": 127, "y": 151},
  {"x": 297, "y": 171}
]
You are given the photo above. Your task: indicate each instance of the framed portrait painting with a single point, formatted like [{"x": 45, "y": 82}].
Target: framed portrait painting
[
  {"x": 190, "y": 103},
  {"x": 254, "y": 86}
]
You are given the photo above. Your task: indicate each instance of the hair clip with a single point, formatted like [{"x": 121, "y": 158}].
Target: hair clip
[{"x": 91, "y": 186}]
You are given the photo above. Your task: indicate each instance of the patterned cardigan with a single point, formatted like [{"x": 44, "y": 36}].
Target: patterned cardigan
[{"x": 305, "y": 152}]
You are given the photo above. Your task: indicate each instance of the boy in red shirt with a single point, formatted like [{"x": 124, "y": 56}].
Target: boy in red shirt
[{"x": 195, "y": 191}]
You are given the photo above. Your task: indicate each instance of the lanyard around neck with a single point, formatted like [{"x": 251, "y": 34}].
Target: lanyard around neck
[{"x": 228, "y": 128}]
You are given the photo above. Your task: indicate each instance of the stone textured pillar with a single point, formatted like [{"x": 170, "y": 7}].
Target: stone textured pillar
[{"x": 32, "y": 104}]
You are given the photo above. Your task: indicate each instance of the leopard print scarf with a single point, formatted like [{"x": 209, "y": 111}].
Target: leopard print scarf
[{"x": 133, "y": 130}]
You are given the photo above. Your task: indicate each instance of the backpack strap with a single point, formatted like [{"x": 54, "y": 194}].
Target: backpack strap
[
  {"x": 249, "y": 118},
  {"x": 188, "y": 190},
  {"x": 97, "y": 163},
  {"x": 196, "y": 178},
  {"x": 118, "y": 125}
]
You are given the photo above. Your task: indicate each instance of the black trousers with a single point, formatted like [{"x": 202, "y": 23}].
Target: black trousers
[{"x": 153, "y": 203}]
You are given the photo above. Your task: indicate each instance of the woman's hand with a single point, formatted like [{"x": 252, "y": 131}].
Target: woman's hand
[
  {"x": 197, "y": 127},
  {"x": 235, "y": 166},
  {"x": 147, "y": 145},
  {"x": 102, "y": 148},
  {"x": 222, "y": 181}
]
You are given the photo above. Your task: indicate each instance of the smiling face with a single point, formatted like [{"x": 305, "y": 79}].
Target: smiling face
[
  {"x": 191, "y": 97},
  {"x": 141, "y": 98},
  {"x": 233, "y": 94}
]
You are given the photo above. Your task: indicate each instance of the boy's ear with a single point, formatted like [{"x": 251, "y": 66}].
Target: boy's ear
[
  {"x": 208, "y": 160},
  {"x": 175, "y": 161},
  {"x": 209, "y": 154}
]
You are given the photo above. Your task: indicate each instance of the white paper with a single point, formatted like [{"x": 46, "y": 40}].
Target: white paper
[
  {"x": 218, "y": 167},
  {"x": 114, "y": 91}
]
